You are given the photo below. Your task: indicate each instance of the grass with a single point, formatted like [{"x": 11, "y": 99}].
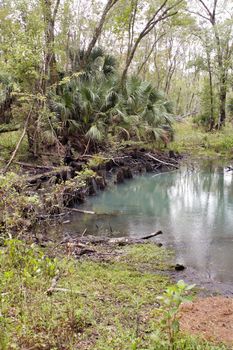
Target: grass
[
  {"x": 109, "y": 304},
  {"x": 194, "y": 141}
]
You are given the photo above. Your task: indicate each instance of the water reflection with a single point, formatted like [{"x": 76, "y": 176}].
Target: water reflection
[{"x": 194, "y": 209}]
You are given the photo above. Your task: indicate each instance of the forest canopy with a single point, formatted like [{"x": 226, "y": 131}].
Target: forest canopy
[{"x": 95, "y": 72}]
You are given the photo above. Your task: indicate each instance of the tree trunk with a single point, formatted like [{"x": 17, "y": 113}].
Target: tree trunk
[
  {"x": 160, "y": 15},
  {"x": 98, "y": 31},
  {"x": 50, "y": 64},
  {"x": 222, "y": 100},
  {"x": 211, "y": 92}
]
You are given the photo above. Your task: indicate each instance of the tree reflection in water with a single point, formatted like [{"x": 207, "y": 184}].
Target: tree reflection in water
[{"x": 194, "y": 209}]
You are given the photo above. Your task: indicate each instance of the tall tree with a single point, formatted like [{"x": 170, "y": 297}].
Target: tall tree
[
  {"x": 163, "y": 12},
  {"x": 50, "y": 11},
  {"x": 98, "y": 30},
  {"x": 222, "y": 33}
]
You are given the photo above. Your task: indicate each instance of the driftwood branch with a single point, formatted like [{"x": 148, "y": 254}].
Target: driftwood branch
[
  {"x": 161, "y": 161},
  {"x": 118, "y": 240},
  {"x": 152, "y": 235},
  {"x": 83, "y": 211}
]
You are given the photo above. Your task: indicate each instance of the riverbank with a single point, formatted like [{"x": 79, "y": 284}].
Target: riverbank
[
  {"x": 52, "y": 300},
  {"x": 38, "y": 193},
  {"x": 194, "y": 142},
  {"x": 68, "y": 295}
]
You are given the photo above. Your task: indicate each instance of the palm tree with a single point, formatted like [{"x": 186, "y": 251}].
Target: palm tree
[{"x": 92, "y": 105}]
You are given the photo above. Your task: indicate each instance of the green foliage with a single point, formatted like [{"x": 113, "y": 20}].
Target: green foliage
[
  {"x": 171, "y": 301},
  {"x": 92, "y": 105},
  {"x": 100, "y": 297},
  {"x": 8, "y": 142},
  {"x": 96, "y": 161},
  {"x": 18, "y": 211},
  {"x": 204, "y": 118},
  {"x": 95, "y": 298},
  {"x": 196, "y": 142}
]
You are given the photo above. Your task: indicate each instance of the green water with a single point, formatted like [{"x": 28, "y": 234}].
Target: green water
[{"x": 193, "y": 208}]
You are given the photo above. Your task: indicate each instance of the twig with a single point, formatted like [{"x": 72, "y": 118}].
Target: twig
[
  {"x": 87, "y": 147},
  {"x": 84, "y": 232}
]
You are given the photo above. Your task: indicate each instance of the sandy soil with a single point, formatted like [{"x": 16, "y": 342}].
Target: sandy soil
[{"x": 211, "y": 318}]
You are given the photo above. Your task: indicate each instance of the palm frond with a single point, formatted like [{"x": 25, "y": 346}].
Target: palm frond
[{"x": 94, "y": 133}]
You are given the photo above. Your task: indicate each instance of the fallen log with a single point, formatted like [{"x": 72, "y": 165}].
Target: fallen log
[
  {"x": 161, "y": 161},
  {"x": 90, "y": 239},
  {"x": 104, "y": 158}
]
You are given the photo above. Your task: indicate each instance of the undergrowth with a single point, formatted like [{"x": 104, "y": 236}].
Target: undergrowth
[
  {"x": 194, "y": 141},
  {"x": 8, "y": 142},
  {"x": 97, "y": 305}
]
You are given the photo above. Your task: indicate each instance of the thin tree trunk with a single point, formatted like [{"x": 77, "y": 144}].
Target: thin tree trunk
[
  {"x": 211, "y": 92},
  {"x": 98, "y": 30},
  {"x": 19, "y": 142},
  {"x": 160, "y": 15},
  {"x": 50, "y": 64},
  {"x": 150, "y": 53},
  {"x": 222, "y": 107}
]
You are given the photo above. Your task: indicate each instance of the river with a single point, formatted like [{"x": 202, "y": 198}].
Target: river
[{"x": 193, "y": 206}]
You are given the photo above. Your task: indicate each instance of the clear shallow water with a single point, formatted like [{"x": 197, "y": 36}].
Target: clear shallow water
[{"x": 193, "y": 208}]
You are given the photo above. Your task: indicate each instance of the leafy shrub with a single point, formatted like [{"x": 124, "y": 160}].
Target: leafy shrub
[{"x": 18, "y": 211}]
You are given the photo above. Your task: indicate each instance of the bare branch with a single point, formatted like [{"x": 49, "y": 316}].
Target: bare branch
[{"x": 165, "y": 13}]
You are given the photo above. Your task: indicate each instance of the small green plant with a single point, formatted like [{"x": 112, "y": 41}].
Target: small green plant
[
  {"x": 171, "y": 300},
  {"x": 96, "y": 161},
  {"x": 86, "y": 174}
]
